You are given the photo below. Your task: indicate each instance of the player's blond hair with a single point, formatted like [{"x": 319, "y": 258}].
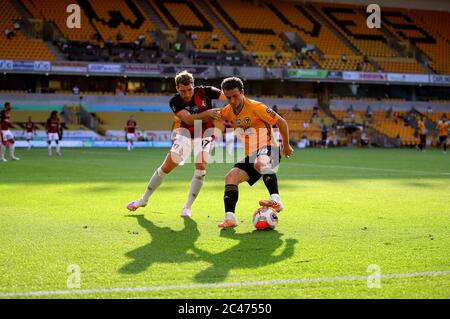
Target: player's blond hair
[{"x": 184, "y": 78}]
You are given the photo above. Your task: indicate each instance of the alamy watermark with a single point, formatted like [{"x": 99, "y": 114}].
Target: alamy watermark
[
  {"x": 374, "y": 279},
  {"x": 74, "y": 19},
  {"x": 374, "y": 19},
  {"x": 74, "y": 279}
]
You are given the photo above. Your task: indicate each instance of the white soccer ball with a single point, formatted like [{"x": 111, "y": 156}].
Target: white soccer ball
[{"x": 265, "y": 218}]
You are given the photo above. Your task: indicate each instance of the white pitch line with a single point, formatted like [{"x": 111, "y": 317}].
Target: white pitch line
[{"x": 226, "y": 284}]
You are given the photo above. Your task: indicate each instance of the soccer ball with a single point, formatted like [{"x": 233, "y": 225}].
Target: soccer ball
[{"x": 265, "y": 218}]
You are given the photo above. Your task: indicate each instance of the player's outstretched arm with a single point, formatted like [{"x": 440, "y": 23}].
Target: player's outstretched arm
[
  {"x": 284, "y": 132},
  {"x": 208, "y": 115}
]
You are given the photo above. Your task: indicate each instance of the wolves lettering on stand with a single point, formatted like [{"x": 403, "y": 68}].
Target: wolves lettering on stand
[{"x": 116, "y": 17}]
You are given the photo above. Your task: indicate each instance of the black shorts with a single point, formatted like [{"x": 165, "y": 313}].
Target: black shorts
[
  {"x": 247, "y": 164},
  {"x": 423, "y": 138},
  {"x": 442, "y": 139}
]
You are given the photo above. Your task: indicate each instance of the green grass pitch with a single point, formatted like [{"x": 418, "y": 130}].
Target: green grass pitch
[{"x": 345, "y": 209}]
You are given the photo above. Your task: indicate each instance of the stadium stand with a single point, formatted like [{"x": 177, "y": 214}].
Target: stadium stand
[
  {"x": 373, "y": 43},
  {"x": 257, "y": 30},
  {"x": 108, "y": 18},
  {"x": 395, "y": 127},
  {"x": 115, "y": 16},
  {"x": 301, "y": 124},
  {"x": 246, "y": 19},
  {"x": 402, "y": 65},
  {"x": 298, "y": 18},
  {"x": 49, "y": 10},
  {"x": 333, "y": 31},
  {"x": 409, "y": 27},
  {"x": 190, "y": 17},
  {"x": 410, "y": 31},
  {"x": 352, "y": 24},
  {"x": 352, "y": 63},
  {"x": 19, "y": 46}
]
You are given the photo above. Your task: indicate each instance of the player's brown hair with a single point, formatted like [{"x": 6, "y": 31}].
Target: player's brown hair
[
  {"x": 184, "y": 78},
  {"x": 232, "y": 83}
]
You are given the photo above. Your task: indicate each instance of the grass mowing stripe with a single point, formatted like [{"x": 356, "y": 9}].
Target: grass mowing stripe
[
  {"x": 68, "y": 210},
  {"x": 227, "y": 284},
  {"x": 370, "y": 169}
]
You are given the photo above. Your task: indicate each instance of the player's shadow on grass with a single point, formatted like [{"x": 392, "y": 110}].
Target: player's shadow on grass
[
  {"x": 166, "y": 246},
  {"x": 255, "y": 249}
]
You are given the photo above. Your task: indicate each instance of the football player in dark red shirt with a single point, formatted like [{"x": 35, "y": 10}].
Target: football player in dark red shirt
[
  {"x": 30, "y": 130},
  {"x": 53, "y": 128},
  {"x": 190, "y": 103},
  {"x": 7, "y": 138},
  {"x": 130, "y": 132}
]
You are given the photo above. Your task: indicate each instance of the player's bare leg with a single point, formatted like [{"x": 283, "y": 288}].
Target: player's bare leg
[
  {"x": 58, "y": 148},
  {"x": 264, "y": 166},
  {"x": 130, "y": 145},
  {"x": 12, "y": 149},
  {"x": 2, "y": 152},
  {"x": 170, "y": 163},
  {"x": 234, "y": 177}
]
